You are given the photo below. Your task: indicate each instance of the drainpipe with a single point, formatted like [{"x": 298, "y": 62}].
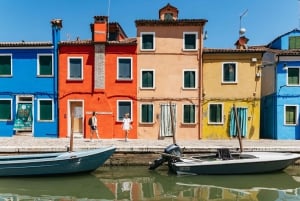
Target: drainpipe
[
  {"x": 56, "y": 26},
  {"x": 200, "y": 84}
]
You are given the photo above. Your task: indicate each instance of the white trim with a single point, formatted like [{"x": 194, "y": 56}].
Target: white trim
[
  {"x": 11, "y": 65},
  {"x": 195, "y": 116},
  {"x": 196, "y": 78},
  {"x": 236, "y": 73},
  {"x": 222, "y": 115},
  {"x": 141, "y": 111},
  {"x": 287, "y": 76},
  {"x": 68, "y": 73},
  {"x": 124, "y": 79},
  {"x": 131, "y": 114},
  {"x": 296, "y": 112},
  {"x": 38, "y": 109},
  {"x": 38, "y": 65},
  {"x": 141, "y": 79},
  {"x": 141, "y": 41},
  {"x": 196, "y": 39},
  {"x": 11, "y": 108}
]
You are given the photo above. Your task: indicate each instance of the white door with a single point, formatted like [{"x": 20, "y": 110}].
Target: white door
[{"x": 167, "y": 116}]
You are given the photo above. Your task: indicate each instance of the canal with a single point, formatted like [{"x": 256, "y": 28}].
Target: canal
[{"x": 138, "y": 183}]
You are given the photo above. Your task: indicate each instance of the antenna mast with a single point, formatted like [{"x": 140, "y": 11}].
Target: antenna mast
[{"x": 242, "y": 30}]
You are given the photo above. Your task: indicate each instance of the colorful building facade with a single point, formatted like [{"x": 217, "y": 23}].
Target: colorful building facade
[
  {"x": 28, "y": 80},
  {"x": 232, "y": 79},
  {"x": 97, "y": 75},
  {"x": 281, "y": 88},
  {"x": 169, "y": 70}
]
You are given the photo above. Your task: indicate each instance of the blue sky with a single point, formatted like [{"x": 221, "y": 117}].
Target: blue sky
[{"x": 29, "y": 20}]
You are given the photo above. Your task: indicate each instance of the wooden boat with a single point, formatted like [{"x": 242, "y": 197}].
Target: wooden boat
[
  {"x": 224, "y": 162},
  {"x": 54, "y": 163}
]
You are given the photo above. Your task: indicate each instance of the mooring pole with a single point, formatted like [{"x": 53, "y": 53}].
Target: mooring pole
[{"x": 238, "y": 127}]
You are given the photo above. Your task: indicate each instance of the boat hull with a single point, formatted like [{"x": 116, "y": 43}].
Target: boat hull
[
  {"x": 55, "y": 163},
  {"x": 261, "y": 162}
]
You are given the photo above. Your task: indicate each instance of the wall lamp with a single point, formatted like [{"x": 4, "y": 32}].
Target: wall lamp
[{"x": 285, "y": 67}]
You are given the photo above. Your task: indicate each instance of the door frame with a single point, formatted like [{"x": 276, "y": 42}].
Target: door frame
[{"x": 69, "y": 119}]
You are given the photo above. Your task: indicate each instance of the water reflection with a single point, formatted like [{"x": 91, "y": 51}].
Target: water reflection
[{"x": 138, "y": 183}]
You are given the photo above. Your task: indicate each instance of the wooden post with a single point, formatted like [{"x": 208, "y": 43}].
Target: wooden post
[
  {"x": 238, "y": 127},
  {"x": 172, "y": 123}
]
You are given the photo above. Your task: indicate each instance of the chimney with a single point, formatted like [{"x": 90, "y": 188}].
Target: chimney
[
  {"x": 99, "y": 29},
  {"x": 56, "y": 27},
  {"x": 241, "y": 43}
]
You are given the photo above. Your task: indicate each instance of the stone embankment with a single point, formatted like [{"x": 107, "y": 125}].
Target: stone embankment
[{"x": 139, "y": 152}]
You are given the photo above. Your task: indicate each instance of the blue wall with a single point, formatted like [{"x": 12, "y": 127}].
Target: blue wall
[{"x": 24, "y": 81}]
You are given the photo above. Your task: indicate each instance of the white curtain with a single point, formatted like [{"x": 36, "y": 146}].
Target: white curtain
[{"x": 166, "y": 118}]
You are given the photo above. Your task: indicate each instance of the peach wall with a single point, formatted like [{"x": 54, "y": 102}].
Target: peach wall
[{"x": 168, "y": 61}]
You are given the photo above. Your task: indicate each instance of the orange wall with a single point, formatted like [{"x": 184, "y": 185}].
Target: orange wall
[{"x": 103, "y": 101}]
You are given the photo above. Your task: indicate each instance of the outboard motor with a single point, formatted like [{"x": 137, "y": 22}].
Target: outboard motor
[{"x": 171, "y": 152}]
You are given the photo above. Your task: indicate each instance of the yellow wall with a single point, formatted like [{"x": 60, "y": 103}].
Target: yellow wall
[{"x": 245, "y": 93}]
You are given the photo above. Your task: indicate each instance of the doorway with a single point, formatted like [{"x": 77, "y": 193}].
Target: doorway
[
  {"x": 23, "y": 121},
  {"x": 76, "y": 119},
  {"x": 167, "y": 120}
]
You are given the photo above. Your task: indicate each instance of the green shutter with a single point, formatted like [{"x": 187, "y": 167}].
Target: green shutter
[
  {"x": 45, "y": 65},
  {"x": 189, "y": 114},
  {"x": 294, "y": 42},
  {"x": 5, "y": 65},
  {"x": 147, "y": 113},
  {"x": 293, "y": 76},
  {"x": 5, "y": 109},
  {"x": 46, "y": 110}
]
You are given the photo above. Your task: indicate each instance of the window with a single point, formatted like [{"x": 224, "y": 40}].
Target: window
[
  {"x": 123, "y": 108},
  {"x": 168, "y": 16},
  {"x": 215, "y": 113},
  {"x": 189, "y": 79},
  {"x": 5, "y": 65},
  {"x": 124, "y": 69},
  {"x": 291, "y": 114},
  {"x": 147, "y": 41},
  {"x": 293, "y": 76},
  {"x": 294, "y": 42},
  {"x": 45, "y": 110},
  {"x": 189, "y": 114},
  {"x": 5, "y": 109},
  {"x": 45, "y": 67},
  {"x": 229, "y": 74},
  {"x": 75, "y": 71},
  {"x": 190, "y": 41},
  {"x": 146, "y": 113},
  {"x": 147, "y": 79}
]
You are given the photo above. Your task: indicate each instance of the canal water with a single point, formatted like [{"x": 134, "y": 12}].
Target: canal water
[{"x": 139, "y": 183}]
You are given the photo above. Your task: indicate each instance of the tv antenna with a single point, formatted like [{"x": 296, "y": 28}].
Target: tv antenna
[{"x": 242, "y": 30}]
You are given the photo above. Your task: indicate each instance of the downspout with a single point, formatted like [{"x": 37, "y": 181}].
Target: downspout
[
  {"x": 200, "y": 83},
  {"x": 56, "y": 26}
]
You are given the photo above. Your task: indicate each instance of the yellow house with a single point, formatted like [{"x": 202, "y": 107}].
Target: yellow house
[
  {"x": 168, "y": 61},
  {"x": 231, "y": 79}
]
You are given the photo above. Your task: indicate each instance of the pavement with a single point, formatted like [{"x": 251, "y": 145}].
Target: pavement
[{"x": 26, "y": 144}]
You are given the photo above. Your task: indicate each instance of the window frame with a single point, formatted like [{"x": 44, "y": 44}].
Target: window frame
[
  {"x": 183, "y": 78},
  {"x": 141, "y": 113},
  {"x": 183, "y": 113},
  {"x": 184, "y": 40},
  {"x": 296, "y": 113},
  {"x": 39, "y": 109},
  {"x": 118, "y": 69},
  {"x": 69, "y": 70},
  {"x": 141, "y": 41},
  {"x": 11, "y": 109},
  {"x": 141, "y": 78},
  {"x": 119, "y": 117},
  {"x": 38, "y": 65},
  {"x": 236, "y": 73},
  {"x": 287, "y": 76},
  {"x": 11, "y": 66},
  {"x": 222, "y": 114}
]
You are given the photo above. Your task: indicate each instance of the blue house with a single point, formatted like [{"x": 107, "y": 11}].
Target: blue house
[
  {"x": 28, "y": 87},
  {"x": 281, "y": 88}
]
